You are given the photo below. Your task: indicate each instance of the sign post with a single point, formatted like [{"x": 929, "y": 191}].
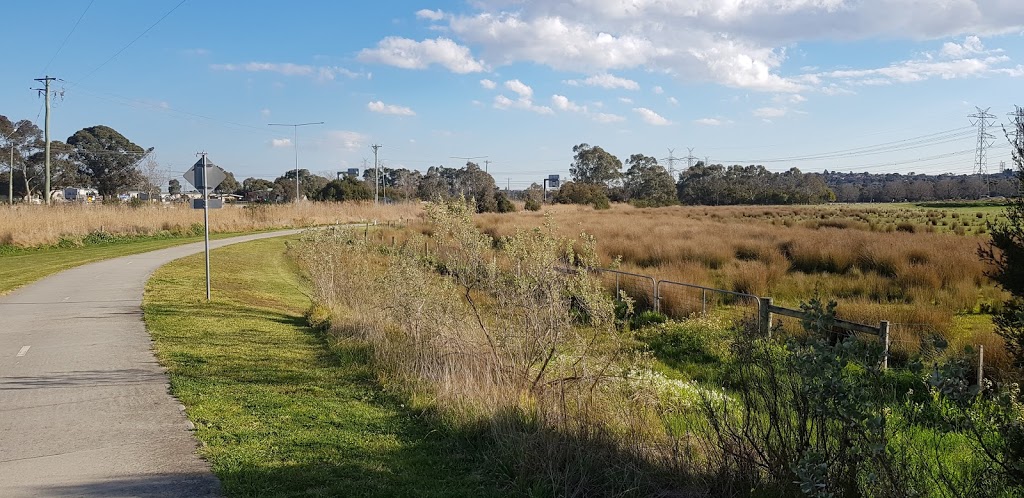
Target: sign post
[{"x": 205, "y": 176}]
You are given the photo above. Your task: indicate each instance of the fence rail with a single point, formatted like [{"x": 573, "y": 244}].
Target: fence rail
[{"x": 763, "y": 308}]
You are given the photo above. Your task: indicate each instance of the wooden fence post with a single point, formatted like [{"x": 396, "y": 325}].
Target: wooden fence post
[
  {"x": 981, "y": 365},
  {"x": 764, "y": 319},
  {"x": 883, "y": 332}
]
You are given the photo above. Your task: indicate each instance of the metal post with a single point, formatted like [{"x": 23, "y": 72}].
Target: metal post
[
  {"x": 981, "y": 365},
  {"x": 10, "y": 178},
  {"x": 617, "y": 291},
  {"x": 295, "y": 143},
  {"x": 206, "y": 226},
  {"x": 704, "y": 302},
  {"x": 883, "y": 332},
  {"x": 764, "y": 318}
]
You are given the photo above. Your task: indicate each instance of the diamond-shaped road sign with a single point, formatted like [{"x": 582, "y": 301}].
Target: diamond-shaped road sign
[{"x": 214, "y": 175}]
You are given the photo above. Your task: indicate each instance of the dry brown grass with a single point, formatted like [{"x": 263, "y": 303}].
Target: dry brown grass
[
  {"x": 857, "y": 256},
  {"x": 29, "y": 226}
]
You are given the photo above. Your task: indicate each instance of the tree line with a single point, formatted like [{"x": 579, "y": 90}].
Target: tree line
[{"x": 597, "y": 179}]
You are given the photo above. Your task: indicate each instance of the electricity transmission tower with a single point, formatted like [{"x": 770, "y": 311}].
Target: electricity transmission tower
[
  {"x": 982, "y": 119},
  {"x": 1017, "y": 135},
  {"x": 671, "y": 159},
  {"x": 690, "y": 158}
]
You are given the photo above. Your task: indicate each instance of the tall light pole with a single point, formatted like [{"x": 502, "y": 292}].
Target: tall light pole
[
  {"x": 295, "y": 145},
  {"x": 10, "y": 175}
]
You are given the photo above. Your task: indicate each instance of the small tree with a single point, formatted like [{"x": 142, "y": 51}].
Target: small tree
[{"x": 1006, "y": 252}]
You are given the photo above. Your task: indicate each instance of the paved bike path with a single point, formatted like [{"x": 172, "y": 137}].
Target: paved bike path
[{"x": 84, "y": 405}]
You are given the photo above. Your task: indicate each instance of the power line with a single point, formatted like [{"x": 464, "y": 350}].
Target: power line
[
  {"x": 887, "y": 147},
  {"x": 66, "y": 38},
  {"x": 151, "y": 26}
]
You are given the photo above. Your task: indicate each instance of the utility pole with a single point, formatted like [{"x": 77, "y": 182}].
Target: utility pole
[
  {"x": 376, "y": 173},
  {"x": 46, "y": 131},
  {"x": 983, "y": 120},
  {"x": 295, "y": 145},
  {"x": 10, "y": 175},
  {"x": 487, "y": 165}
]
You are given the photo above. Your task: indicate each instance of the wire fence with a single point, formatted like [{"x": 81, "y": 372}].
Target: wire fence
[{"x": 679, "y": 300}]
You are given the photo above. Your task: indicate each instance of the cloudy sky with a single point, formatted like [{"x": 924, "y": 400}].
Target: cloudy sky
[{"x": 853, "y": 85}]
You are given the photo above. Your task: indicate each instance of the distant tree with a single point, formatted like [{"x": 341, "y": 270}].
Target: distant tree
[
  {"x": 173, "y": 186},
  {"x": 591, "y": 164},
  {"x": 345, "y": 189},
  {"x": 256, "y": 185},
  {"x": 432, "y": 186},
  {"x": 702, "y": 185},
  {"x": 648, "y": 183},
  {"x": 310, "y": 185},
  {"x": 1005, "y": 252},
  {"x": 229, "y": 186},
  {"x": 404, "y": 183},
  {"x": 108, "y": 159},
  {"x": 582, "y": 193},
  {"x": 23, "y": 136}
]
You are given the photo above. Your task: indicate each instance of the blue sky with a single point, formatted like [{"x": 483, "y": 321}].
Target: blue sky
[{"x": 521, "y": 82}]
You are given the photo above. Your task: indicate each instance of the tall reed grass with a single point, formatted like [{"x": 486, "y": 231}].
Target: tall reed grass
[
  {"x": 512, "y": 341},
  {"x": 916, "y": 276},
  {"x": 30, "y": 226}
]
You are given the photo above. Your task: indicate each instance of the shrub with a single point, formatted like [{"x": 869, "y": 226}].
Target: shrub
[{"x": 532, "y": 204}]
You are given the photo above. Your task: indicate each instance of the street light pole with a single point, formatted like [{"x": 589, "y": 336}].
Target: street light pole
[{"x": 295, "y": 145}]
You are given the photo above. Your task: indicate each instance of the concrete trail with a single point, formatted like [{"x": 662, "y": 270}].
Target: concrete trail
[{"x": 84, "y": 405}]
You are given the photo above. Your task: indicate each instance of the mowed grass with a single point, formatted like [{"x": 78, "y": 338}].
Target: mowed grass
[
  {"x": 24, "y": 266},
  {"x": 278, "y": 410}
]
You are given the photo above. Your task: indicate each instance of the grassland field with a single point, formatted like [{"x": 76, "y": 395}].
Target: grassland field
[
  {"x": 913, "y": 265},
  {"x": 281, "y": 409}
]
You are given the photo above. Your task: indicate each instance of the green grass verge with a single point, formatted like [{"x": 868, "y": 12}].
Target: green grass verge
[
  {"x": 279, "y": 410},
  {"x": 20, "y": 267}
]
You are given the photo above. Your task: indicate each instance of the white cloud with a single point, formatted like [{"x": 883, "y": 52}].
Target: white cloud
[
  {"x": 918, "y": 70},
  {"x": 430, "y": 15},
  {"x": 321, "y": 73},
  {"x": 502, "y": 102},
  {"x": 651, "y": 117},
  {"x": 625, "y": 100},
  {"x": 412, "y": 54},
  {"x": 709, "y": 121},
  {"x": 605, "y": 80},
  {"x": 603, "y": 117},
  {"x": 394, "y": 110},
  {"x": 196, "y": 52},
  {"x": 278, "y": 143},
  {"x": 735, "y": 43},
  {"x": 673, "y": 101},
  {"x": 658, "y": 90},
  {"x": 525, "y": 100},
  {"x": 264, "y": 113},
  {"x": 524, "y": 90},
  {"x": 488, "y": 84},
  {"x": 770, "y": 112},
  {"x": 971, "y": 45},
  {"x": 346, "y": 140},
  {"x": 562, "y": 103}
]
